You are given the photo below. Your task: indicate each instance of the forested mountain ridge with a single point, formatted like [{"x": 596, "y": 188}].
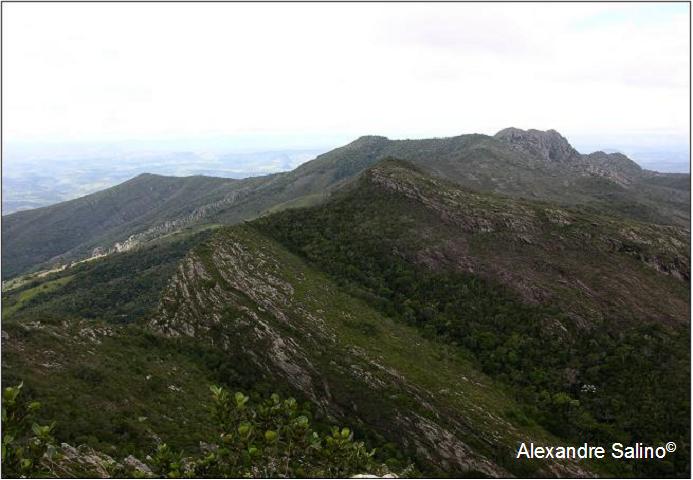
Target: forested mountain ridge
[
  {"x": 535, "y": 248},
  {"x": 565, "y": 306},
  {"x": 444, "y": 324},
  {"x": 529, "y": 164}
]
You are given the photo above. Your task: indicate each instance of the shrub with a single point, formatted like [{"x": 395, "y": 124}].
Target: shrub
[
  {"x": 269, "y": 438},
  {"x": 25, "y": 444}
]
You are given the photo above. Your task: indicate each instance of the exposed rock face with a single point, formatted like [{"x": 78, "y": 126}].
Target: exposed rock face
[
  {"x": 549, "y": 145},
  {"x": 237, "y": 294},
  {"x": 537, "y": 232},
  {"x": 614, "y": 166},
  {"x": 554, "y": 149},
  {"x": 238, "y": 297},
  {"x": 83, "y": 462}
]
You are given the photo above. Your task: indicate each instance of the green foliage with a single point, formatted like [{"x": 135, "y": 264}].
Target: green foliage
[
  {"x": 167, "y": 462},
  {"x": 120, "y": 290},
  {"x": 114, "y": 393},
  {"x": 120, "y": 391},
  {"x": 270, "y": 438},
  {"x": 26, "y": 446},
  {"x": 274, "y": 438}
]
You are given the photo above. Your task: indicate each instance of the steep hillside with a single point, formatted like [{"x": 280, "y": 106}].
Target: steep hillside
[
  {"x": 72, "y": 229},
  {"x": 588, "y": 263},
  {"x": 248, "y": 296},
  {"x": 242, "y": 311},
  {"x": 75, "y": 339},
  {"x": 566, "y": 306},
  {"x": 530, "y": 164}
]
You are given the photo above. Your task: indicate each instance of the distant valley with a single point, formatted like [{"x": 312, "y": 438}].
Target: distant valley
[{"x": 38, "y": 180}]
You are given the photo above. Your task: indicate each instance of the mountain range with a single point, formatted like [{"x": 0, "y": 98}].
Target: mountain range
[
  {"x": 448, "y": 298},
  {"x": 523, "y": 164}
]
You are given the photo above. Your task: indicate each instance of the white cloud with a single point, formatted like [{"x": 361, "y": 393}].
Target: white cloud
[{"x": 92, "y": 72}]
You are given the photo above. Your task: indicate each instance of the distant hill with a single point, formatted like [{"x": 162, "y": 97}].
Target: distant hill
[
  {"x": 72, "y": 229},
  {"x": 518, "y": 163},
  {"x": 35, "y": 177}
]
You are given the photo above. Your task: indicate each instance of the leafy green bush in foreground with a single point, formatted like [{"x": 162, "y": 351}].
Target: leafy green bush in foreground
[
  {"x": 25, "y": 445},
  {"x": 270, "y": 438}
]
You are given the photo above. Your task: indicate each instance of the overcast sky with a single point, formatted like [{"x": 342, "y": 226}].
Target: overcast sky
[{"x": 163, "y": 72}]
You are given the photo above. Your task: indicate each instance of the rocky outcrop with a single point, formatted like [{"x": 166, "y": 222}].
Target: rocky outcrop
[
  {"x": 232, "y": 294},
  {"x": 555, "y": 150},
  {"x": 82, "y": 461},
  {"x": 135, "y": 465},
  {"x": 536, "y": 233},
  {"x": 549, "y": 145},
  {"x": 85, "y": 462},
  {"x": 614, "y": 166},
  {"x": 237, "y": 294}
]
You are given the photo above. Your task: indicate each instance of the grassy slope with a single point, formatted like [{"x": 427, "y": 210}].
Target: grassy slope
[
  {"x": 73, "y": 338},
  {"x": 27, "y": 294},
  {"x": 111, "y": 377},
  {"x": 75, "y": 227}
]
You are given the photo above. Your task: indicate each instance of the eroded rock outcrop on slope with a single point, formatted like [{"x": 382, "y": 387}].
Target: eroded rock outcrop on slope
[{"x": 240, "y": 295}]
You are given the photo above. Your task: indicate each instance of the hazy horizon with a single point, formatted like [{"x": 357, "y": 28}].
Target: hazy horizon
[
  {"x": 414, "y": 70},
  {"x": 36, "y": 175},
  {"x": 214, "y": 92},
  {"x": 641, "y": 148}
]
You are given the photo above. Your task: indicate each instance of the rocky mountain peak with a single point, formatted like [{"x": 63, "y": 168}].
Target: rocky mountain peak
[
  {"x": 548, "y": 145},
  {"x": 367, "y": 140},
  {"x": 615, "y": 166}
]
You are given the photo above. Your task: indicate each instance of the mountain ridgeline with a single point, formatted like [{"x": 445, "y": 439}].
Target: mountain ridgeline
[
  {"x": 448, "y": 299},
  {"x": 523, "y": 164}
]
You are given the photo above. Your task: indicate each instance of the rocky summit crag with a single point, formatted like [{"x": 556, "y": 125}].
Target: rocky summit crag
[
  {"x": 448, "y": 299},
  {"x": 550, "y": 145}
]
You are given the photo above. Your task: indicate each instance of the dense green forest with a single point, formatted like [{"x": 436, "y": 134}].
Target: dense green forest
[{"x": 599, "y": 385}]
